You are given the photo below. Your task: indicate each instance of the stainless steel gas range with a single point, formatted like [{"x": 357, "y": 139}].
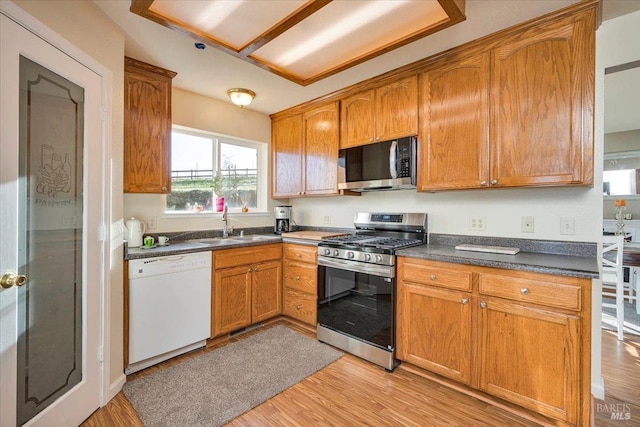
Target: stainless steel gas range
[{"x": 357, "y": 285}]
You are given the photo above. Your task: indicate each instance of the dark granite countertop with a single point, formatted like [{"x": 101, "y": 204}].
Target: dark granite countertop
[
  {"x": 575, "y": 259},
  {"x": 560, "y": 258},
  {"x": 200, "y": 245}
]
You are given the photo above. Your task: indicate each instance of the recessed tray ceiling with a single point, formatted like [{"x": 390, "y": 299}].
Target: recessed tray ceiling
[{"x": 304, "y": 41}]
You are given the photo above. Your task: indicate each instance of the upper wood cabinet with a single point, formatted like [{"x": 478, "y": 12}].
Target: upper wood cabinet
[
  {"x": 287, "y": 147},
  {"x": 454, "y": 134},
  {"x": 305, "y": 153},
  {"x": 380, "y": 114},
  {"x": 147, "y": 128},
  {"x": 517, "y": 114},
  {"x": 542, "y": 105}
]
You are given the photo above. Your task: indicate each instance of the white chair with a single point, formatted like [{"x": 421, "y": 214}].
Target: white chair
[{"x": 613, "y": 276}]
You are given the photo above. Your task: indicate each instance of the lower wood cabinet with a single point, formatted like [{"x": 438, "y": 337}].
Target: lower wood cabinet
[
  {"x": 247, "y": 287},
  {"x": 300, "y": 282},
  {"x": 519, "y": 336}
]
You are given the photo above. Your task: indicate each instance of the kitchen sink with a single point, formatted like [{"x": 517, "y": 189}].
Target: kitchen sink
[
  {"x": 224, "y": 241},
  {"x": 216, "y": 241},
  {"x": 254, "y": 238}
]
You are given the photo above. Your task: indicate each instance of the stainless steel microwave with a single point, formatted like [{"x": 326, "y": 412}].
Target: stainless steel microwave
[{"x": 386, "y": 165}]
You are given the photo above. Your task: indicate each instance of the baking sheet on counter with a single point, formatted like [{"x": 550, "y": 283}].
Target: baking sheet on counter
[{"x": 312, "y": 235}]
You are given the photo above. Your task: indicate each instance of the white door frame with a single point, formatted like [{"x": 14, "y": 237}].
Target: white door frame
[{"x": 27, "y": 21}]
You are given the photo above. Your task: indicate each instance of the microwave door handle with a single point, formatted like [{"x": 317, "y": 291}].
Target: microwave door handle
[{"x": 393, "y": 150}]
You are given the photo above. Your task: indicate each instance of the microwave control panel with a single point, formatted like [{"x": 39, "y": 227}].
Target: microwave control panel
[{"x": 404, "y": 160}]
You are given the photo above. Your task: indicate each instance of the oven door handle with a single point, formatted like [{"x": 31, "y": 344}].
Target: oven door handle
[{"x": 359, "y": 267}]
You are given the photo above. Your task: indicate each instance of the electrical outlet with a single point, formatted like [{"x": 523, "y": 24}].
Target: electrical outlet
[
  {"x": 152, "y": 223},
  {"x": 567, "y": 225},
  {"x": 527, "y": 224},
  {"x": 478, "y": 224},
  {"x": 326, "y": 219}
]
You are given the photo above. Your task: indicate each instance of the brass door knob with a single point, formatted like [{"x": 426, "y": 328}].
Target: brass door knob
[{"x": 10, "y": 279}]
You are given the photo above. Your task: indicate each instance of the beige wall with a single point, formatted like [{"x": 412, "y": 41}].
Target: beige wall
[
  {"x": 84, "y": 25},
  {"x": 201, "y": 112}
]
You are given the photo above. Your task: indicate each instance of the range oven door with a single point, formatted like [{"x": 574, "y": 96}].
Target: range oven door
[{"x": 358, "y": 300}]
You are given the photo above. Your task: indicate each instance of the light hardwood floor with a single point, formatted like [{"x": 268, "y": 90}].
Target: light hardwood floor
[
  {"x": 352, "y": 392},
  {"x": 621, "y": 374}
]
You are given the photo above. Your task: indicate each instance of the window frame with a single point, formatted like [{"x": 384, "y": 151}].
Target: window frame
[{"x": 261, "y": 172}]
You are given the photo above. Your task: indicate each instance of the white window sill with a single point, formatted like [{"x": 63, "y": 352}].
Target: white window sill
[{"x": 182, "y": 215}]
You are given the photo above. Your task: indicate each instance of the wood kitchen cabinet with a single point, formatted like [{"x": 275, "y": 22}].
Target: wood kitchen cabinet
[
  {"x": 383, "y": 113},
  {"x": 519, "y": 336},
  {"x": 147, "y": 128},
  {"x": 454, "y": 136},
  {"x": 247, "y": 287},
  {"x": 515, "y": 113},
  {"x": 300, "y": 282},
  {"x": 434, "y": 319},
  {"x": 305, "y": 153}
]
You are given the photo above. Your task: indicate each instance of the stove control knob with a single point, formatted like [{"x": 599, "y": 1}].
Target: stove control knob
[
  {"x": 367, "y": 257},
  {"x": 336, "y": 252},
  {"x": 378, "y": 258},
  {"x": 350, "y": 255},
  {"x": 327, "y": 251}
]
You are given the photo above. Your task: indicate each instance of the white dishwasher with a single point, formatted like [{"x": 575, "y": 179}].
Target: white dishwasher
[{"x": 169, "y": 307}]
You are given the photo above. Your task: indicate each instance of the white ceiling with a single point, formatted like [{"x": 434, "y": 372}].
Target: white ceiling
[{"x": 211, "y": 72}]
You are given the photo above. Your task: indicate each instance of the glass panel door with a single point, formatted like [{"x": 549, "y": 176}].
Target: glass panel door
[{"x": 49, "y": 238}]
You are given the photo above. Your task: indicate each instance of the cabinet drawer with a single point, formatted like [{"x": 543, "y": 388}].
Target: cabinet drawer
[
  {"x": 300, "y": 305},
  {"x": 552, "y": 294},
  {"x": 437, "y": 276},
  {"x": 300, "y": 253},
  {"x": 244, "y": 256},
  {"x": 302, "y": 277}
]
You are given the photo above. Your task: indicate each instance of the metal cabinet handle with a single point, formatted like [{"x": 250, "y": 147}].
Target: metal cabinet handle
[
  {"x": 250, "y": 270},
  {"x": 524, "y": 291},
  {"x": 483, "y": 305},
  {"x": 299, "y": 255},
  {"x": 494, "y": 181},
  {"x": 255, "y": 269},
  {"x": 297, "y": 277},
  {"x": 483, "y": 183},
  {"x": 10, "y": 279},
  {"x": 298, "y": 307},
  {"x": 433, "y": 277},
  {"x": 164, "y": 188},
  {"x": 465, "y": 301}
]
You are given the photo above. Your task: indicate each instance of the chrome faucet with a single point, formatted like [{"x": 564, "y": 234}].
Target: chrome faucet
[{"x": 225, "y": 229}]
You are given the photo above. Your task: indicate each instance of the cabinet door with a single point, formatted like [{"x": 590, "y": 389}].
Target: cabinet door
[
  {"x": 454, "y": 145},
  {"x": 321, "y": 150},
  {"x": 232, "y": 299},
  {"x": 266, "y": 291},
  {"x": 529, "y": 357},
  {"x": 397, "y": 109},
  {"x": 434, "y": 330},
  {"x": 542, "y": 105},
  {"x": 357, "y": 119},
  {"x": 286, "y": 156},
  {"x": 147, "y": 128}
]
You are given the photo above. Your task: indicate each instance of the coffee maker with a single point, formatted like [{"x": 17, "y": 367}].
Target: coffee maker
[{"x": 283, "y": 219}]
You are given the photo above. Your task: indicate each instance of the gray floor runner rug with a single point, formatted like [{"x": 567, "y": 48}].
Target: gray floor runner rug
[{"x": 216, "y": 387}]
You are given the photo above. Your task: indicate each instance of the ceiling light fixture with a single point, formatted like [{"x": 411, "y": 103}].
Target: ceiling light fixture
[{"x": 240, "y": 96}]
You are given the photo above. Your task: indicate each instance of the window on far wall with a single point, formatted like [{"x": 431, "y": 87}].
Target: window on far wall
[{"x": 206, "y": 167}]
